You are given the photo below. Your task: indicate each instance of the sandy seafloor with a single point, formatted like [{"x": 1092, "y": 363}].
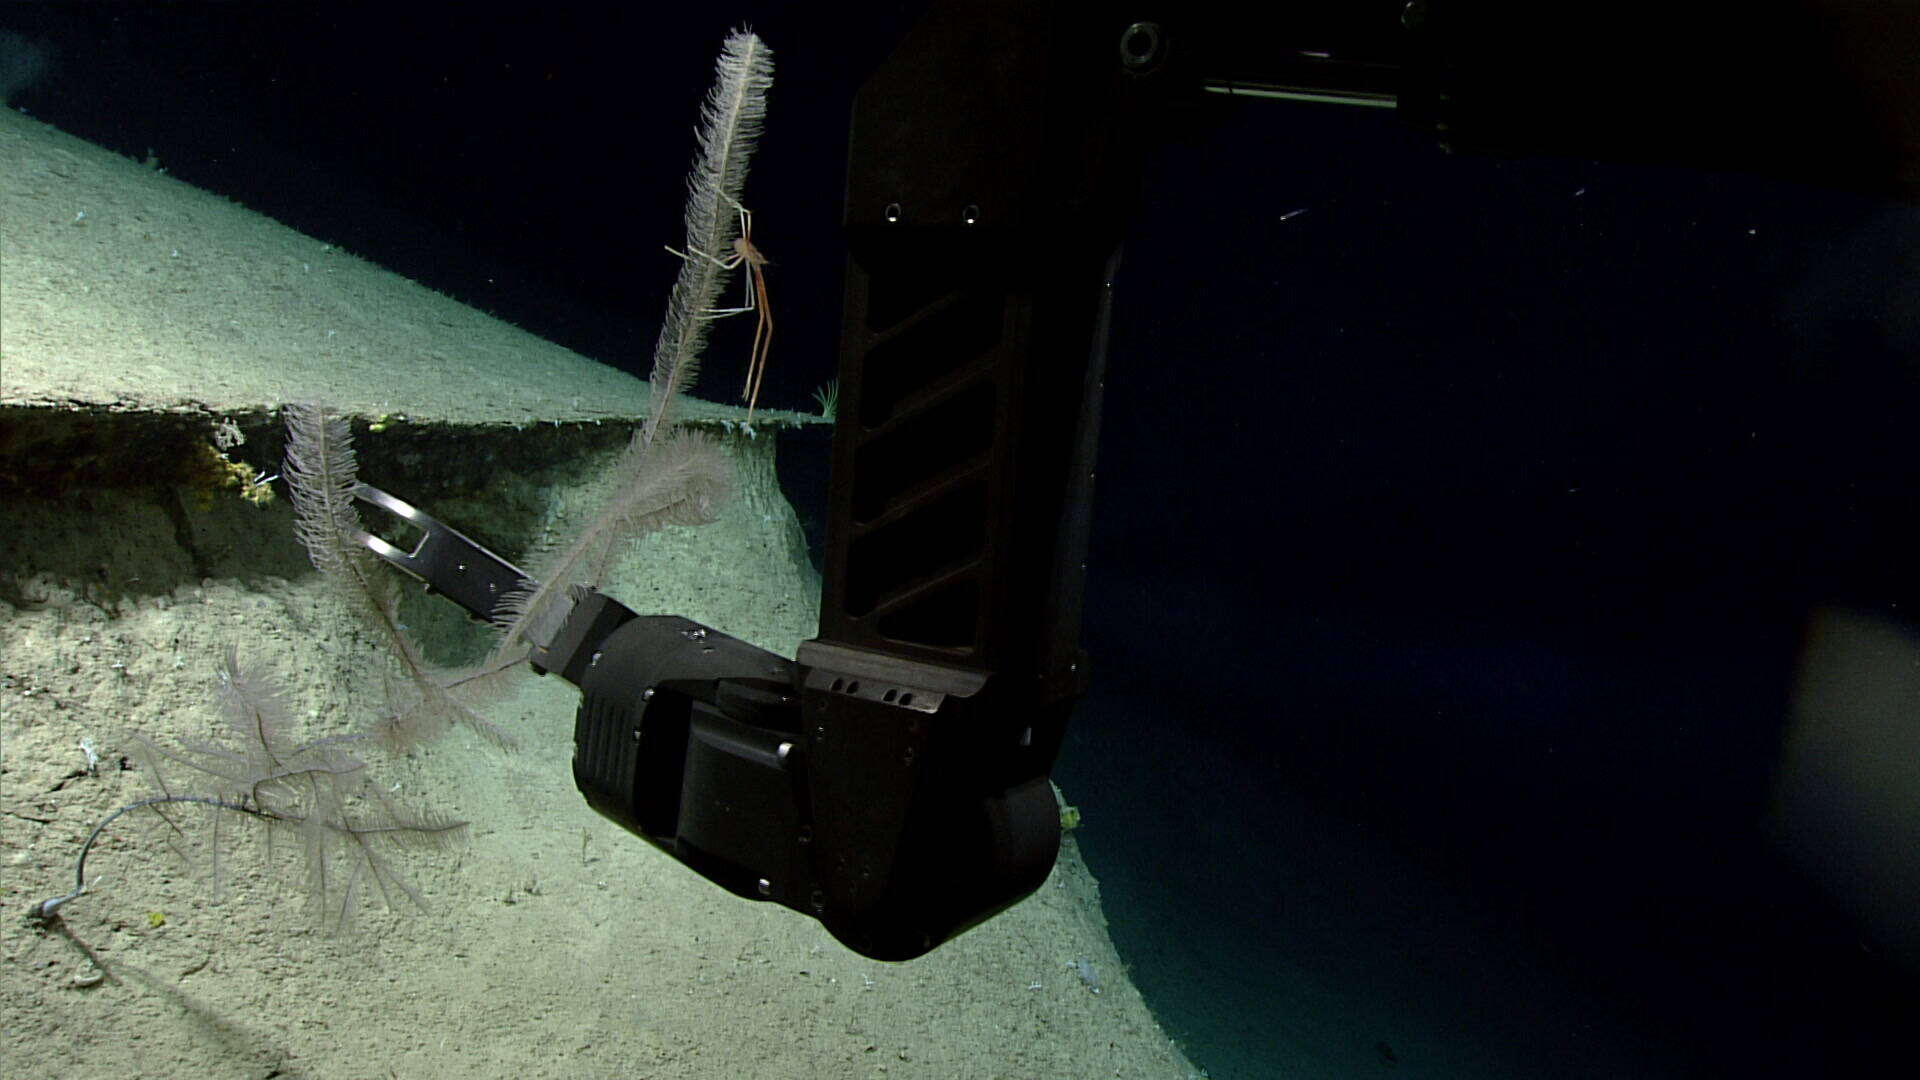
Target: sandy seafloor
[{"x": 133, "y": 307}]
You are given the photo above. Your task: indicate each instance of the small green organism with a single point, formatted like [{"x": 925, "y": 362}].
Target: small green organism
[
  {"x": 156, "y": 919},
  {"x": 257, "y": 489},
  {"x": 213, "y": 471},
  {"x": 1069, "y": 818},
  {"x": 828, "y": 397}
]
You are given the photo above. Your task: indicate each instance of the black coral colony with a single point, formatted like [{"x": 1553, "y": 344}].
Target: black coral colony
[{"x": 318, "y": 793}]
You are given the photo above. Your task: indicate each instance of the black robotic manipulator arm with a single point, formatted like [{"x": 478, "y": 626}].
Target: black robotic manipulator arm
[{"x": 892, "y": 780}]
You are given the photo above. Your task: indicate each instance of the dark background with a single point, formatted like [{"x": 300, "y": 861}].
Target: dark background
[{"x": 1459, "y": 519}]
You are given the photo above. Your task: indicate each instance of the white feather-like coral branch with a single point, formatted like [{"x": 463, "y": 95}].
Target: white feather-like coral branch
[
  {"x": 730, "y": 123},
  {"x": 322, "y": 472},
  {"x": 668, "y": 477}
]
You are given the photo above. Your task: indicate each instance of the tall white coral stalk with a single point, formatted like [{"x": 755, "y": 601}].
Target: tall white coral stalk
[{"x": 730, "y": 123}]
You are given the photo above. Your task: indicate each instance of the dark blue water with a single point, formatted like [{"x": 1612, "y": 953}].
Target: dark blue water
[{"x": 1457, "y": 540}]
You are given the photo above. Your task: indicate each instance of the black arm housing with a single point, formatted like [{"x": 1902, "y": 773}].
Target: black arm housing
[
  {"x": 892, "y": 780},
  {"x": 879, "y": 816}
]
